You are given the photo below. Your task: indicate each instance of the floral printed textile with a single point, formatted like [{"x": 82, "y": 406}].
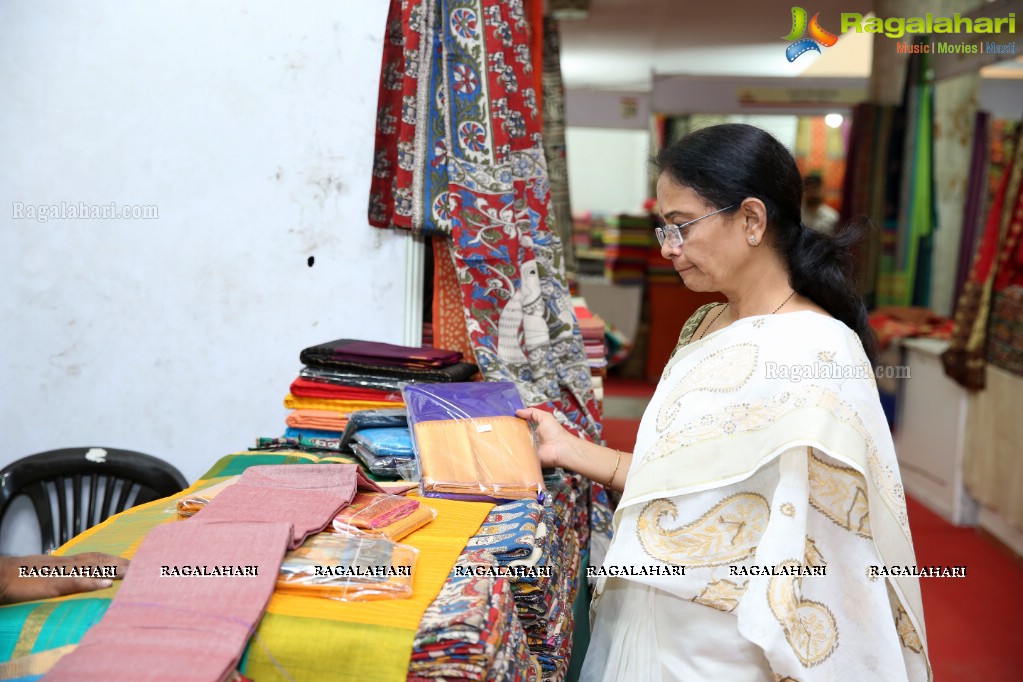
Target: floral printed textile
[{"x": 460, "y": 153}]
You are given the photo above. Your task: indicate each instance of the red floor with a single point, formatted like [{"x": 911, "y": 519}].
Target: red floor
[{"x": 973, "y": 623}]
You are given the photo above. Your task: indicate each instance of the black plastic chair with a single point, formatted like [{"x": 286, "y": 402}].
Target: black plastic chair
[{"x": 73, "y": 489}]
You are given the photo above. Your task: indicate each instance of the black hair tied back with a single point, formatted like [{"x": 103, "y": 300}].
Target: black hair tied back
[
  {"x": 727, "y": 163},
  {"x": 822, "y": 268}
]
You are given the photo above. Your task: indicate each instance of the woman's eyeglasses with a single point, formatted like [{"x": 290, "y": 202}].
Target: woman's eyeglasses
[{"x": 673, "y": 233}]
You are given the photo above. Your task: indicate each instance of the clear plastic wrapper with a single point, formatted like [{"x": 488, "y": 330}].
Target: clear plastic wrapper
[
  {"x": 386, "y": 442},
  {"x": 405, "y": 468},
  {"x": 470, "y": 444},
  {"x": 382, "y": 515},
  {"x": 351, "y": 378},
  {"x": 349, "y": 568},
  {"x": 192, "y": 503},
  {"x": 373, "y": 510},
  {"x": 372, "y": 419}
]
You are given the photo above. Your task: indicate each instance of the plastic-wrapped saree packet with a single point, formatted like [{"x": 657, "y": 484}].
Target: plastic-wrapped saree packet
[
  {"x": 379, "y": 515},
  {"x": 405, "y": 468},
  {"x": 349, "y": 568},
  {"x": 469, "y": 442}
]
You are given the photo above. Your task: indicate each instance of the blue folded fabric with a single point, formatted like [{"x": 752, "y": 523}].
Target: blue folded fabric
[
  {"x": 386, "y": 442},
  {"x": 292, "y": 432}
]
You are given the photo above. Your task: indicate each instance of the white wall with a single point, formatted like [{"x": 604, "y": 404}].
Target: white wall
[
  {"x": 607, "y": 169},
  {"x": 249, "y": 125}
]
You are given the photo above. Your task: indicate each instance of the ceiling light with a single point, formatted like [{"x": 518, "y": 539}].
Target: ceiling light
[{"x": 833, "y": 120}]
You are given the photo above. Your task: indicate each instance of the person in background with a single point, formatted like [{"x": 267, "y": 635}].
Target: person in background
[
  {"x": 762, "y": 504},
  {"x": 40, "y": 579},
  {"x": 815, "y": 213}
]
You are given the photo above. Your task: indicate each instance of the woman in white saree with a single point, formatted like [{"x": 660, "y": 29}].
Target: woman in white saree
[{"x": 762, "y": 506}]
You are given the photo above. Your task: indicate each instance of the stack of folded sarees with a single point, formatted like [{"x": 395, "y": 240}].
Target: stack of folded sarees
[
  {"x": 342, "y": 377},
  {"x": 537, "y": 547},
  {"x": 471, "y": 631}
]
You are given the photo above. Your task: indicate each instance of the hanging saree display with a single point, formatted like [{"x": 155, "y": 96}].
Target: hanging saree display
[
  {"x": 459, "y": 155},
  {"x": 998, "y": 265},
  {"x": 904, "y": 277}
]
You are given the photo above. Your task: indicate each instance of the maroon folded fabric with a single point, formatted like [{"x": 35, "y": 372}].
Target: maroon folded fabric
[
  {"x": 389, "y": 355},
  {"x": 166, "y": 625}
]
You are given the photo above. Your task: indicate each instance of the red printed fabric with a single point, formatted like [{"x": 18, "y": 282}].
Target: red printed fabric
[
  {"x": 385, "y": 158},
  {"x": 305, "y": 388}
]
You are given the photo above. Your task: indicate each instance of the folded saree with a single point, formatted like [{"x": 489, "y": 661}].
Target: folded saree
[
  {"x": 344, "y": 407},
  {"x": 320, "y": 420},
  {"x": 467, "y": 626},
  {"x": 395, "y": 530},
  {"x": 362, "y": 378},
  {"x": 374, "y": 510},
  {"x": 469, "y": 442},
  {"x": 333, "y": 355},
  {"x": 307, "y": 388},
  {"x": 165, "y": 623},
  {"x": 510, "y": 531},
  {"x": 490, "y": 456},
  {"x": 349, "y": 568},
  {"x": 392, "y": 441}
]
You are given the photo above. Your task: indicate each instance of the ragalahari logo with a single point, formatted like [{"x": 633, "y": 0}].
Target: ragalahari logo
[{"x": 818, "y": 35}]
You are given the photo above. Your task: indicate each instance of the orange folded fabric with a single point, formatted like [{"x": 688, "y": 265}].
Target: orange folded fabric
[
  {"x": 321, "y": 420},
  {"x": 492, "y": 456}
]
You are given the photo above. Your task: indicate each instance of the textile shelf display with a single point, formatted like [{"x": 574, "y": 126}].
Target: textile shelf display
[{"x": 361, "y": 580}]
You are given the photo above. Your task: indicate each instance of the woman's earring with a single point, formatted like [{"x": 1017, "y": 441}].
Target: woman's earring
[{"x": 752, "y": 240}]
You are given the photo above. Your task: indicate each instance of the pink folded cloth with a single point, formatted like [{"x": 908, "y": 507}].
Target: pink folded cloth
[
  {"x": 166, "y": 625},
  {"x": 269, "y": 494}
]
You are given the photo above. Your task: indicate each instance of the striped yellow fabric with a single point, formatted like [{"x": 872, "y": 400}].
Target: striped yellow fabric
[{"x": 293, "y": 402}]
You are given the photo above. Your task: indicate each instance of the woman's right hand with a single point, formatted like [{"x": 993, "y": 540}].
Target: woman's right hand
[{"x": 555, "y": 441}]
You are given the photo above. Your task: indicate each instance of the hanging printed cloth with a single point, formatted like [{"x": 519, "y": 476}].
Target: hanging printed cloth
[
  {"x": 906, "y": 256},
  {"x": 460, "y": 153},
  {"x": 997, "y": 265},
  {"x": 553, "y": 103}
]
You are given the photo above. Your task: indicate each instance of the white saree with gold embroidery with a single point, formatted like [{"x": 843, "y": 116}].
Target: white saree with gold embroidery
[{"x": 762, "y": 506}]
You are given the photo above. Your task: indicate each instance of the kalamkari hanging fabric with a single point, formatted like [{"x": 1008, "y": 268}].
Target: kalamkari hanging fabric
[{"x": 459, "y": 152}]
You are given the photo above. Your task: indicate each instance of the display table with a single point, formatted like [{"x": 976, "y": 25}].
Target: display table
[{"x": 299, "y": 638}]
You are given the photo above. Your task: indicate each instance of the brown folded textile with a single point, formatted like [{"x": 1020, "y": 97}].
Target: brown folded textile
[{"x": 492, "y": 456}]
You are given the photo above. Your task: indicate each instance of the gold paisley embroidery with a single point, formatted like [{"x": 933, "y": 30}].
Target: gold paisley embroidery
[
  {"x": 779, "y": 678},
  {"x": 826, "y": 356},
  {"x": 733, "y": 419},
  {"x": 812, "y": 555},
  {"x": 788, "y": 509},
  {"x": 749, "y": 416},
  {"x": 723, "y": 595},
  {"x": 727, "y": 533},
  {"x": 840, "y": 494},
  {"x": 907, "y": 633},
  {"x": 809, "y": 626},
  {"x": 723, "y": 370}
]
